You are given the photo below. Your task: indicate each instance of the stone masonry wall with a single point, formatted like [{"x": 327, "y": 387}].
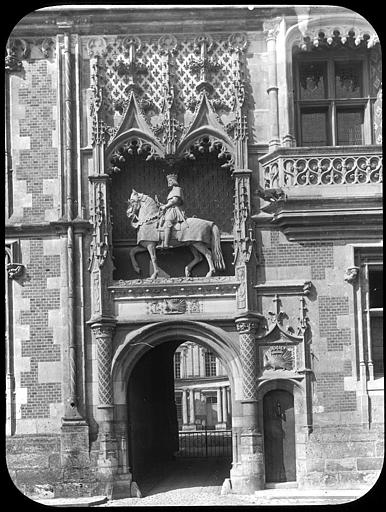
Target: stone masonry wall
[
  {"x": 341, "y": 451},
  {"x": 33, "y": 113},
  {"x": 39, "y": 303}
]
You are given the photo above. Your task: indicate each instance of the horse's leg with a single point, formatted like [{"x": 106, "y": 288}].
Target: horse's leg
[
  {"x": 197, "y": 258},
  {"x": 133, "y": 252},
  {"x": 150, "y": 246},
  {"x": 203, "y": 249}
]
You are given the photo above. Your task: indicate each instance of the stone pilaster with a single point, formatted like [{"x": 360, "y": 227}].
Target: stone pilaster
[
  {"x": 108, "y": 447},
  {"x": 271, "y": 29},
  {"x": 247, "y": 474}
]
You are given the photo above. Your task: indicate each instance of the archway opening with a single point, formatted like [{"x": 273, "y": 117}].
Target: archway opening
[
  {"x": 279, "y": 436},
  {"x": 179, "y": 418}
]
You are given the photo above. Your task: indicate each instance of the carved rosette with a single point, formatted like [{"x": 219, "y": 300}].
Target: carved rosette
[
  {"x": 103, "y": 339},
  {"x": 246, "y": 328}
]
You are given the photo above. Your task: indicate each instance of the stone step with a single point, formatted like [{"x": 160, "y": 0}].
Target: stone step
[{"x": 73, "y": 502}]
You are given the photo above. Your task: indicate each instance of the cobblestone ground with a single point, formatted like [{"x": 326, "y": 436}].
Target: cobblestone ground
[
  {"x": 198, "y": 483},
  {"x": 186, "y": 483}
]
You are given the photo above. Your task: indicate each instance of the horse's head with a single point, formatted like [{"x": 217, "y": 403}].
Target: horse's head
[{"x": 134, "y": 203}]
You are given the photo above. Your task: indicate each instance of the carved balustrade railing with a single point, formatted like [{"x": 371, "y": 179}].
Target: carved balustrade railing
[{"x": 298, "y": 167}]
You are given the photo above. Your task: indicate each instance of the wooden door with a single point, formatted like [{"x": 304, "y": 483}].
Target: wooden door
[{"x": 279, "y": 436}]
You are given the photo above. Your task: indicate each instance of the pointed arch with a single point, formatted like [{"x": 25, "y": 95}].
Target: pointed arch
[
  {"x": 133, "y": 125},
  {"x": 205, "y": 122}
]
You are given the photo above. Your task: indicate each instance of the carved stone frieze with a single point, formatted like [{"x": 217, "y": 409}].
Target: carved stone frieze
[
  {"x": 174, "y": 306},
  {"x": 338, "y": 35},
  {"x": 175, "y": 286}
]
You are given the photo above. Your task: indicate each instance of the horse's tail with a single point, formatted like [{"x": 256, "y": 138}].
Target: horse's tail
[{"x": 218, "y": 259}]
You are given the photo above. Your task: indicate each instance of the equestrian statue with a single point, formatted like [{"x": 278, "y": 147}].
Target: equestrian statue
[{"x": 165, "y": 226}]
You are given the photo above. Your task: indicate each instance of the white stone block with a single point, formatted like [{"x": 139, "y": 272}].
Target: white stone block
[
  {"x": 20, "y": 399},
  {"x": 51, "y": 247},
  {"x": 21, "y": 199},
  {"x": 53, "y": 282},
  {"x": 50, "y": 371}
]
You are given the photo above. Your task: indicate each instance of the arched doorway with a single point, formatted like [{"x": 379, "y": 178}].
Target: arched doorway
[
  {"x": 145, "y": 401},
  {"x": 279, "y": 436}
]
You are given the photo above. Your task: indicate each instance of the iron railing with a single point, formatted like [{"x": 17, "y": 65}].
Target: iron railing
[{"x": 205, "y": 443}]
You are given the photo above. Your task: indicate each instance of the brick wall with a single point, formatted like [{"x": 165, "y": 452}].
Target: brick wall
[
  {"x": 318, "y": 255},
  {"x": 34, "y": 143},
  {"x": 40, "y": 347},
  {"x": 331, "y": 393},
  {"x": 329, "y": 310}
]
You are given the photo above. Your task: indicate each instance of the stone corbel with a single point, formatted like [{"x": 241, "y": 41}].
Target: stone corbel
[
  {"x": 16, "y": 271},
  {"x": 48, "y": 47},
  {"x": 17, "y": 49},
  {"x": 351, "y": 274}
]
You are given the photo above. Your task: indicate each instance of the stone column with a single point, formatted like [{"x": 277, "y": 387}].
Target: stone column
[
  {"x": 108, "y": 451},
  {"x": 219, "y": 406},
  {"x": 271, "y": 29},
  {"x": 192, "y": 412},
  {"x": 184, "y": 407},
  {"x": 247, "y": 475},
  {"x": 224, "y": 405},
  {"x": 202, "y": 361}
]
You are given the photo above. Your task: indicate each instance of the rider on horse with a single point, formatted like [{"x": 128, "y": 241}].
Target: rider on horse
[{"x": 171, "y": 212}]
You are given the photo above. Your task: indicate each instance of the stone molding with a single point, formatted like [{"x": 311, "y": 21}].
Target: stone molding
[
  {"x": 164, "y": 288},
  {"x": 284, "y": 288}
]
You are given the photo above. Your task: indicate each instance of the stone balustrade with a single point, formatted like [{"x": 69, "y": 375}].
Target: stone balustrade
[{"x": 345, "y": 165}]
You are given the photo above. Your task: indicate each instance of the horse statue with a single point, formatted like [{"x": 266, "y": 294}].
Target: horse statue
[{"x": 201, "y": 236}]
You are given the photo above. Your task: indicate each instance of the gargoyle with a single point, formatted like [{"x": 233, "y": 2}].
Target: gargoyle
[{"x": 271, "y": 194}]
